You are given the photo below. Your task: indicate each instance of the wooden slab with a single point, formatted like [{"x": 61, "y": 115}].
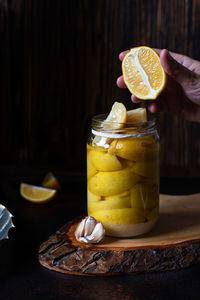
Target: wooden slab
[{"x": 174, "y": 243}]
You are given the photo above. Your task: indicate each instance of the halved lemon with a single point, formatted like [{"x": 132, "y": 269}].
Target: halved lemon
[
  {"x": 50, "y": 181},
  {"x": 35, "y": 193},
  {"x": 143, "y": 74},
  {"x": 116, "y": 117}
]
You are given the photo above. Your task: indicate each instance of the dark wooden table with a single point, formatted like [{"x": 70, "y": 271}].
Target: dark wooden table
[{"x": 21, "y": 275}]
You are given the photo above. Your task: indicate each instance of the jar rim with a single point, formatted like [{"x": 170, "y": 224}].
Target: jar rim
[{"x": 97, "y": 125}]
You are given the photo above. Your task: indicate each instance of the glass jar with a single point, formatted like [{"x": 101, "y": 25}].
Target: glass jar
[{"x": 123, "y": 176}]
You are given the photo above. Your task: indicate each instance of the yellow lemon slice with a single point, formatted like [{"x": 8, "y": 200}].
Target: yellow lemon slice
[
  {"x": 92, "y": 198},
  {"x": 115, "y": 120},
  {"x": 147, "y": 169},
  {"x": 142, "y": 149},
  {"x": 91, "y": 171},
  {"x": 145, "y": 195},
  {"x": 153, "y": 214},
  {"x": 112, "y": 183},
  {"x": 103, "y": 161},
  {"x": 143, "y": 73},
  {"x": 111, "y": 202},
  {"x": 116, "y": 117},
  {"x": 50, "y": 181},
  {"x": 119, "y": 216},
  {"x": 137, "y": 115},
  {"x": 36, "y": 194}
]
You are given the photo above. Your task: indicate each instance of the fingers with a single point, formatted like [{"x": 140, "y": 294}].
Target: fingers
[
  {"x": 121, "y": 83},
  {"x": 122, "y": 54},
  {"x": 182, "y": 79},
  {"x": 134, "y": 99},
  {"x": 120, "y": 80},
  {"x": 153, "y": 108},
  {"x": 182, "y": 59},
  {"x": 173, "y": 68}
]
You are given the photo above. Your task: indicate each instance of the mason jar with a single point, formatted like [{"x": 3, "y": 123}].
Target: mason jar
[{"x": 123, "y": 176}]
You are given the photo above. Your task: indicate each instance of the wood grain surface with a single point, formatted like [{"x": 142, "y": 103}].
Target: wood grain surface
[
  {"x": 59, "y": 64},
  {"x": 174, "y": 243}
]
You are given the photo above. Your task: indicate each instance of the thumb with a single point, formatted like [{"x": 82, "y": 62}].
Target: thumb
[{"x": 174, "y": 69}]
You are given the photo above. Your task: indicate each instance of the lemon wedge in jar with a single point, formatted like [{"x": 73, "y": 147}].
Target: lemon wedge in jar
[
  {"x": 117, "y": 116},
  {"x": 112, "y": 183},
  {"x": 137, "y": 115},
  {"x": 115, "y": 120},
  {"x": 103, "y": 161},
  {"x": 111, "y": 202}
]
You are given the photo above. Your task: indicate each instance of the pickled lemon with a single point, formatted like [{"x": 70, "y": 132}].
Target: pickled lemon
[
  {"x": 91, "y": 171},
  {"x": 115, "y": 120},
  {"x": 116, "y": 117},
  {"x": 152, "y": 214},
  {"x": 95, "y": 144},
  {"x": 92, "y": 197},
  {"x": 137, "y": 115},
  {"x": 112, "y": 183},
  {"x": 145, "y": 195},
  {"x": 152, "y": 195},
  {"x": 144, "y": 148},
  {"x": 111, "y": 202},
  {"x": 103, "y": 161},
  {"x": 148, "y": 169},
  {"x": 89, "y": 147},
  {"x": 120, "y": 216},
  {"x": 112, "y": 148},
  {"x": 137, "y": 196}
]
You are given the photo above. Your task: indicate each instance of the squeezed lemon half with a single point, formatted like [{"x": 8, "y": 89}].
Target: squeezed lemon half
[{"x": 143, "y": 74}]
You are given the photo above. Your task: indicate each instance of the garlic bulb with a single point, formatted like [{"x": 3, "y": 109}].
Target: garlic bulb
[{"x": 90, "y": 231}]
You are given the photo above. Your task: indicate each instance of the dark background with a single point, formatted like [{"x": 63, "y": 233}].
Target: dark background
[{"x": 59, "y": 65}]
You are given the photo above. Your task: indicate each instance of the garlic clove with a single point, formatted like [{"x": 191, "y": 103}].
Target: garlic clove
[
  {"x": 89, "y": 225},
  {"x": 80, "y": 229},
  {"x": 97, "y": 234},
  {"x": 84, "y": 240},
  {"x": 90, "y": 231}
]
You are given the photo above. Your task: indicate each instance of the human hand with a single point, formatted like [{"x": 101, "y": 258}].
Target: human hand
[{"x": 182, "y": 93}]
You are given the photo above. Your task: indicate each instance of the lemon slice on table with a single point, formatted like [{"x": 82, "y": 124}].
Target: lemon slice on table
[
  {"x": 143, "y": 73},
  {"x": 50, "y": 181},
  {"x": 35, "y": 193}
]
